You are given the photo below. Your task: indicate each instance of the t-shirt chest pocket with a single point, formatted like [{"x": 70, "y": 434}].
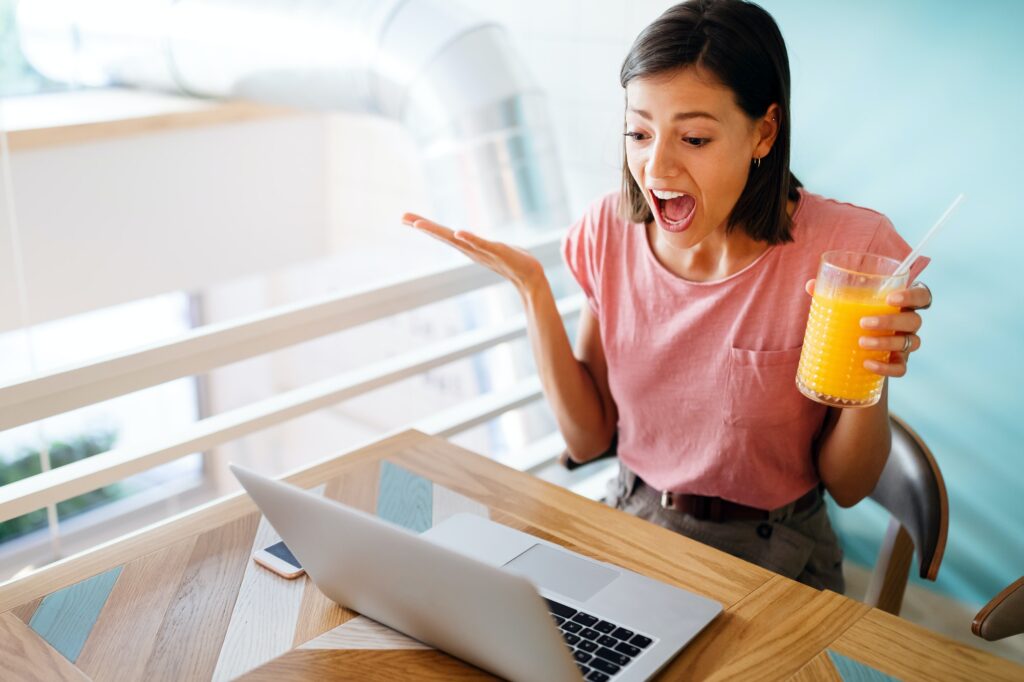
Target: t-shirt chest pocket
[{"x": 761, "y": 387}]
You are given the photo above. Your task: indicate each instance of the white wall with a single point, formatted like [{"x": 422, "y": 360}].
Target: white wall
[{"x": 110, "y": 221}]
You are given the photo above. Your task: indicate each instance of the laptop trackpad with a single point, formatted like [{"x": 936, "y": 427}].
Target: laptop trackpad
[{"x": 561, "y": 572}]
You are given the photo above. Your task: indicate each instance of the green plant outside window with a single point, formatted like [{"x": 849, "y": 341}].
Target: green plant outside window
[{"x": 27, "y": 463}]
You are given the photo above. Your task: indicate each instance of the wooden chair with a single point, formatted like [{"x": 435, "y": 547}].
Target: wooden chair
[
  {"x": 1003, "y": 616},
  {"x": 911, "y": 488}
]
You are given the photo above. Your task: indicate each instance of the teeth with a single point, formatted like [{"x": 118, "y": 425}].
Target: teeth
[{"x": 665, "y": 194}]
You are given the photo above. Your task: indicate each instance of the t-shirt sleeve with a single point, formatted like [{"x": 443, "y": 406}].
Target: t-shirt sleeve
[
  {"x": 888, "y": 242},
  {"x": 580, "y": 255}
]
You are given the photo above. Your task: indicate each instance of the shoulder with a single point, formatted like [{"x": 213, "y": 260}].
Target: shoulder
[
  {"x": 585, "y": 245},
  {"x": 827, "y": 223},
  {"x": 603, "y": 212},
  {"x": 596, "y": 223},
  {"x": 823, "y": 224}
]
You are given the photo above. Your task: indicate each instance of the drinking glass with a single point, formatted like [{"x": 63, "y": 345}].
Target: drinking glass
[{"x": 849, "y": 286}]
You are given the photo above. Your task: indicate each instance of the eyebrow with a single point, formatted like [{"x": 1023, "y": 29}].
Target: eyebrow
[{"x": 679, "y": 116}]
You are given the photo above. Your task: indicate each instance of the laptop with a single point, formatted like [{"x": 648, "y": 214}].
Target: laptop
[{"x": 510, "y": 603}]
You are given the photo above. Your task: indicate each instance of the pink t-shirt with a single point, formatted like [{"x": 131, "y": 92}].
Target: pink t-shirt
[{"x": 703, "y": 373}]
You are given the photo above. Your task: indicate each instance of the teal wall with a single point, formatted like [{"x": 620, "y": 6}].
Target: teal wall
[{"x": 899, "y": 106}]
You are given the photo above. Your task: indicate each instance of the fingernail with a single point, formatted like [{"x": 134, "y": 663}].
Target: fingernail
[
  {"x": 869, "y": 322},
  {"x": 868, "y": 342}
]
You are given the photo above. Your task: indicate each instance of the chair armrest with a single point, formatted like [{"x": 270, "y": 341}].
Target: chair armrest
[
  {"x": 1003, "y": 616},
  {"x": 571, "y": 464}
]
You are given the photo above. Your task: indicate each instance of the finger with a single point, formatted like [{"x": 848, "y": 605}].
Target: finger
[
  {"x": 449, "y": 240},
  {"x": 429, "y": 226},
  {"x": 444, "y": 234},
  {"x": 497, "y": 249},
  {"x": 466, "y": 242},
  {"x": 809, "y": 287},
  {"x": 910, "y": 299},
  {"x": 886, "y": 369},
  {"x": 484, "y": 252},
  {"x": 473, "y": 240},
  {"x": 890, "y": 343},
  {"x": 908, "y": 322},
  {"x": 418, "y": 221},
  {"x": 480, "y": 246},
  {"x": 497, "y": 252}
]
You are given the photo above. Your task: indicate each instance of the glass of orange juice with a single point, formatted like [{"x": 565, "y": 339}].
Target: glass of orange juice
[{"x": 849, "y": 286}]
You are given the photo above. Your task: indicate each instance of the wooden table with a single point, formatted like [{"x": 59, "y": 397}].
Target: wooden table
[{"x": 182, "y": 600}]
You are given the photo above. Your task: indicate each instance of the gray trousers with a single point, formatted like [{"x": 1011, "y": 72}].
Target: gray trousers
[{"x": 800, "y": 545}]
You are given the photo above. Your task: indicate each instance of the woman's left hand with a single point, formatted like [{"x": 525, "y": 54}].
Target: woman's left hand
[{"x": 905, "y": 324}]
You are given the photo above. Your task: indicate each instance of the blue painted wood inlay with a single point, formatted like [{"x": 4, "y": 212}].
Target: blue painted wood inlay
[
  {"x": 66, "y": 617},
  {"x": 855, "y": 671},
  {"x": 405, "y": 498}
]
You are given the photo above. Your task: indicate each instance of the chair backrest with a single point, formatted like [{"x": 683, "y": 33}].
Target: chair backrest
[
  {"x": 911, "y": 488},
  {"x": 1003, "y": 616}
]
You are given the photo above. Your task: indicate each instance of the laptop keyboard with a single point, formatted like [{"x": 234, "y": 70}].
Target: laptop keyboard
[{"x": 601, "y": 648}]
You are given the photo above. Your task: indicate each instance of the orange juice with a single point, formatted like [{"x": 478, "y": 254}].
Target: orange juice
[{"x": 832, "y": 362}]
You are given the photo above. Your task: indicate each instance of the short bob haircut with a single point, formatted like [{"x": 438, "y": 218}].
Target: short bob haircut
[{"x": 738, "y": 43}]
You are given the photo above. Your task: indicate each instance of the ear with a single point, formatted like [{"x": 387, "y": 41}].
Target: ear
[{"x": 766, "y": 129}]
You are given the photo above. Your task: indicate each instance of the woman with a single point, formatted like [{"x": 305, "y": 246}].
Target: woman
[{"x": 696, "y": 274}]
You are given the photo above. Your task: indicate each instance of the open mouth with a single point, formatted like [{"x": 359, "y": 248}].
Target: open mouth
[{"x": 674, "y": 210}]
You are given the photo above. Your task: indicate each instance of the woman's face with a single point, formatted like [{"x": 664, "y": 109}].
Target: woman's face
[{"x": 686, "y": 135}]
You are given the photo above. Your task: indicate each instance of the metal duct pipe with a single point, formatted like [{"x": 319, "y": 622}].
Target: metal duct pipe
[{"x": 451, "y": 78}]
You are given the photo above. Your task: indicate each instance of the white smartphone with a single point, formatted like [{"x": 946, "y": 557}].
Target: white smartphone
[{"x": 279, "y": 559}]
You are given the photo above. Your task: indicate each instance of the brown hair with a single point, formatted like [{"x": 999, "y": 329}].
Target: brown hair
[{"x": 740, "y": 44}]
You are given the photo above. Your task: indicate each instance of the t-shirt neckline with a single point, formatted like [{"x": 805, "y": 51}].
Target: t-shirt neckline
[{"x": 665, "y": 272}]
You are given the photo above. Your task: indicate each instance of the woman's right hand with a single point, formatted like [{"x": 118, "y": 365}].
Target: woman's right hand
[{"x": 514, "y": 264}]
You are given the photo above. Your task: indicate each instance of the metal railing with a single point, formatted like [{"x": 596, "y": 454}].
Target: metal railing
[{"x": 215, "y": 345}]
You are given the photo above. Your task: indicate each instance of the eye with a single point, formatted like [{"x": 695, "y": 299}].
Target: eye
[
  {"x": 696, "y": 141},
  {"x": 636, "y": 137}
]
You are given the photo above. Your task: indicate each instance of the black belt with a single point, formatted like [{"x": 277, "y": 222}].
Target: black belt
[{"x": 705, "y": 508}]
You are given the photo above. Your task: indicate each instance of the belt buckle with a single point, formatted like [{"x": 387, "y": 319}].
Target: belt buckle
[{"x": 700, "y": 508}]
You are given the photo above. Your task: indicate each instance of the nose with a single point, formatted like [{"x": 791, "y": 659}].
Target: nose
[{"x": 663, "y": 162}]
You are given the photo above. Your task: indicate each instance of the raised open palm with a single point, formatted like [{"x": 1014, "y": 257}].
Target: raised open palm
[{"x": 514, "y": 264}]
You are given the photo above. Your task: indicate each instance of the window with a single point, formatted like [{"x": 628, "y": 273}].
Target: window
[
  {"x": 17, "y": 77},
  {"x": 127, "y": 421}
]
